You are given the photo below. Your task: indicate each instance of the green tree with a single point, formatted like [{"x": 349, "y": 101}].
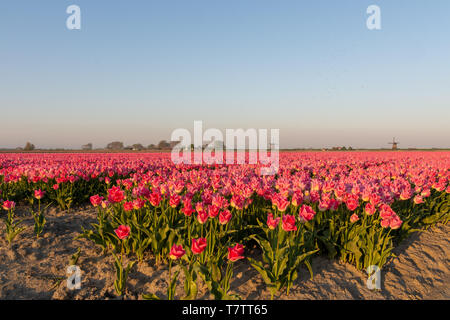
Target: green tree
[
  {"x": 29, "y": 146},
  {"x": 115, "y": 145}
]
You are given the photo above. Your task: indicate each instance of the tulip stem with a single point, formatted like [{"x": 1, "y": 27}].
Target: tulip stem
[
  {"x": 170, "y": 280},
  {"x": 121, "y": 252},
  {"x": 228, "y": 274},
  {"x": 189, "y": 228}
]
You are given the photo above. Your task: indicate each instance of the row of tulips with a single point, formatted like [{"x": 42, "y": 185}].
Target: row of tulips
[
  {"x": 14, "y": 227},
  {"x": 192, "y": 261},
  {"x": 200, "y": 218},
  {"x": 286, "y": 240}
]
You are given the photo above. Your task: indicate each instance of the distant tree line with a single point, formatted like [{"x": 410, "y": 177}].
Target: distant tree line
[
  {"x": 341, "y": 148},
  {"x": 118, "y": 145},
  {"x": 115, "y": 145}
]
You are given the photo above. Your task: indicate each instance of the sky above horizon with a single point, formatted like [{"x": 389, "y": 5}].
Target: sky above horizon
[{"x": 137, "y": 70}]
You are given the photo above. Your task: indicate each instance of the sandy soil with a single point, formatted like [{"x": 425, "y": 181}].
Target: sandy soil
[{"x": 36, "y": 269}]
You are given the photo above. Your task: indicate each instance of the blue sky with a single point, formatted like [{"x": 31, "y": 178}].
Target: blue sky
[{"x": 137, "y": 70}]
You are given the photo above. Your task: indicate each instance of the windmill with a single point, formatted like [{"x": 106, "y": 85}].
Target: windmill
[{"x": 394, "y": 144}]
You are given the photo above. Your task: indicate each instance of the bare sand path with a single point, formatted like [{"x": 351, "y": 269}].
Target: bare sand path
[{"x": 37, "y": 269}]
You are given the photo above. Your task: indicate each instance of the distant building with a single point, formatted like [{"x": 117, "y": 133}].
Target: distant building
[{"x": 86, "y": 147}]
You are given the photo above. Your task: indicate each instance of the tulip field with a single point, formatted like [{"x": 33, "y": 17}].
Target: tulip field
[{"x": 198, "y": 221}]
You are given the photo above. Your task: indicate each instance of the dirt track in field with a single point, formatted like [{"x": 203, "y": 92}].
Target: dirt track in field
[{"x": 36, "y": 269}]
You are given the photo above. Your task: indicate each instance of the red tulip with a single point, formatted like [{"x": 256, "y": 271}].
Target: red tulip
[
  {"x": 8, "y": 205},
  {"x": 138, "y": 204},
  {"x": 374, "y": 199},
  {"x": 271, "y": 222},
  {"x": 224, "y": 217},
  {"x": 282, "y": 204},
  {"x": 369, "y": 209},
  {"x": 115, "y": 195},
  {"x": 155, "y": 198},
  {"x": 236, "y": 253},
  {"x": 128, "y": 206},
  {"x": 174, "y": 200},
  {"x": 288, "y": 223},
  {"x": 96, "y": 200},
  {"x": 418, "y": 199},
  {"x": 187, "y": 209},
  {"x": 297, "y": 199},
  {"x": 39, "y": 194},
  {"x": 198, "y": 245},
  {"x": 176, "y": 252},
  {"x": 213, "y": 211},
  {"x": 395, "y": 222},
  {"x": 202, "y": 217},
  {"x": 352, "y": 202},
  {"x": 122, "y": 232},
  {"x": 306, "y": 213},
  {"x": 354, "y": 218}
]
